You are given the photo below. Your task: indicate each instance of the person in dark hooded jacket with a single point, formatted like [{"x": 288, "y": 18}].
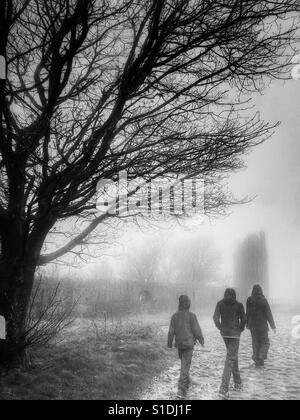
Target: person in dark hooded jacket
[
  {"x": 259, "y": 317},
  {"x": 186, "y": 330},
  {"x": 230, "y": 319}
]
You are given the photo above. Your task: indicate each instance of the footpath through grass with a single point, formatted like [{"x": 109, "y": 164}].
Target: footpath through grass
[{"x": 94, "y": 360}]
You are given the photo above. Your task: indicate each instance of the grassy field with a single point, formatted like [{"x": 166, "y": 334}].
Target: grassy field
[{"x": 92, "y": 360}]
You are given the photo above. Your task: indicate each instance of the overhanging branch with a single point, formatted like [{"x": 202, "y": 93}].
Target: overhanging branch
[{"x": 47, "y": 258}]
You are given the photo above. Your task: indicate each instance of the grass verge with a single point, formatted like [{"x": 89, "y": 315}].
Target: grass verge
[{"x": 94, "y": 360}]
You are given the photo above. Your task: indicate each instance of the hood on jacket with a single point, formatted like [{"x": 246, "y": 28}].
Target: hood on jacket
[
  {"x": 230, "y": 296},
  {"x": 257, "y": 292},
  {"x": 184, "y": 302}
]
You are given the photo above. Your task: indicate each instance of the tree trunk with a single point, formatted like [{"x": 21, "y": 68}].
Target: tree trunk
[
  {"x": 17, "y": 268},
  {"x": 15, "y": 287}
]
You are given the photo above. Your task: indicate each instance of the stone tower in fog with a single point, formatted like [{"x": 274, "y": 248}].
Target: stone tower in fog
[{"x": 251, "y": 265}]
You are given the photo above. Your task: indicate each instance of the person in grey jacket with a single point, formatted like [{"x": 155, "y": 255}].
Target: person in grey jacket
[
  {"x": 186, "y": 330},
  {"x": 259, "y": 317},
  {"x": 230, "y": 319}
]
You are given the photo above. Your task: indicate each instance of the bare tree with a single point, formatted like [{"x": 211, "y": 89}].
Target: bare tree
[
  {"x": 99, "y": 86},
  {"x": 143, "y": 261},
  {"x": 197, "y": 259}
]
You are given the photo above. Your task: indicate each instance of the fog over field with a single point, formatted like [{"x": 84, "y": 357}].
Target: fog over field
[
  {"x": 271, "y": 178},
  {"x": 273, "y": 175}
]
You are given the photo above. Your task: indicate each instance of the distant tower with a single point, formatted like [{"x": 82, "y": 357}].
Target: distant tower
[{"x": 251, "y": 265}]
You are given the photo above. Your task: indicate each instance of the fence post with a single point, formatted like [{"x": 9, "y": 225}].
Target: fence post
[
  {"x": 2, "y": 328},
  {"x": 2, "y": 68}
]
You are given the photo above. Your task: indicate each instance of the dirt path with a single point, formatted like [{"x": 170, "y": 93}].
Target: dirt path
[{"x": 280, "y": 379}]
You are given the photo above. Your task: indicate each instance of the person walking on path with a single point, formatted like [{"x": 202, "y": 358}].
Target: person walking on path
[
  {"x": 230, "y": 319},
  {"x": 186, "y": 330},
  {"x": 259, "y": 317}
]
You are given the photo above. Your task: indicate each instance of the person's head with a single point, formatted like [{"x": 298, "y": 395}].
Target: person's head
[
  {"x": 257, "y": 291},
  {"x": 230, "y": 295},
  {"x": 184, "y": 302}
]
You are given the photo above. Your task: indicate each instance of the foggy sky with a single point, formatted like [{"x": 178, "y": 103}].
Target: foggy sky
[{"x": 273, "y": 175}]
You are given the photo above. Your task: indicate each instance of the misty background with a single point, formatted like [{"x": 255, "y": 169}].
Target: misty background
[{"x": 270, "y": 177}]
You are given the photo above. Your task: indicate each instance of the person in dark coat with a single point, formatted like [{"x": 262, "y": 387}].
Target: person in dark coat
[
  {"x": 230, "y": 319},
  {"x": 259, "y": 317},
  {"x": 186, "y": 330}
]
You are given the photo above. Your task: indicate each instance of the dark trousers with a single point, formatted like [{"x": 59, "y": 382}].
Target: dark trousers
[
  {"x": 261, "y": 346},
  {"x": 186, "y": 357},
  {"x": 231, "y": 364}
]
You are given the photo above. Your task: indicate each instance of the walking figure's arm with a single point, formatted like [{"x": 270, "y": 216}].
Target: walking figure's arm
[
  {"x": 248, "y": 314},
  {"x": 243, "y": 319},
  {"x": 196, "y": 329},
  {"x": 217, "y": 317},
  {"x": 171, "y": 334},
  {"x": 270, "y": 317}
]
